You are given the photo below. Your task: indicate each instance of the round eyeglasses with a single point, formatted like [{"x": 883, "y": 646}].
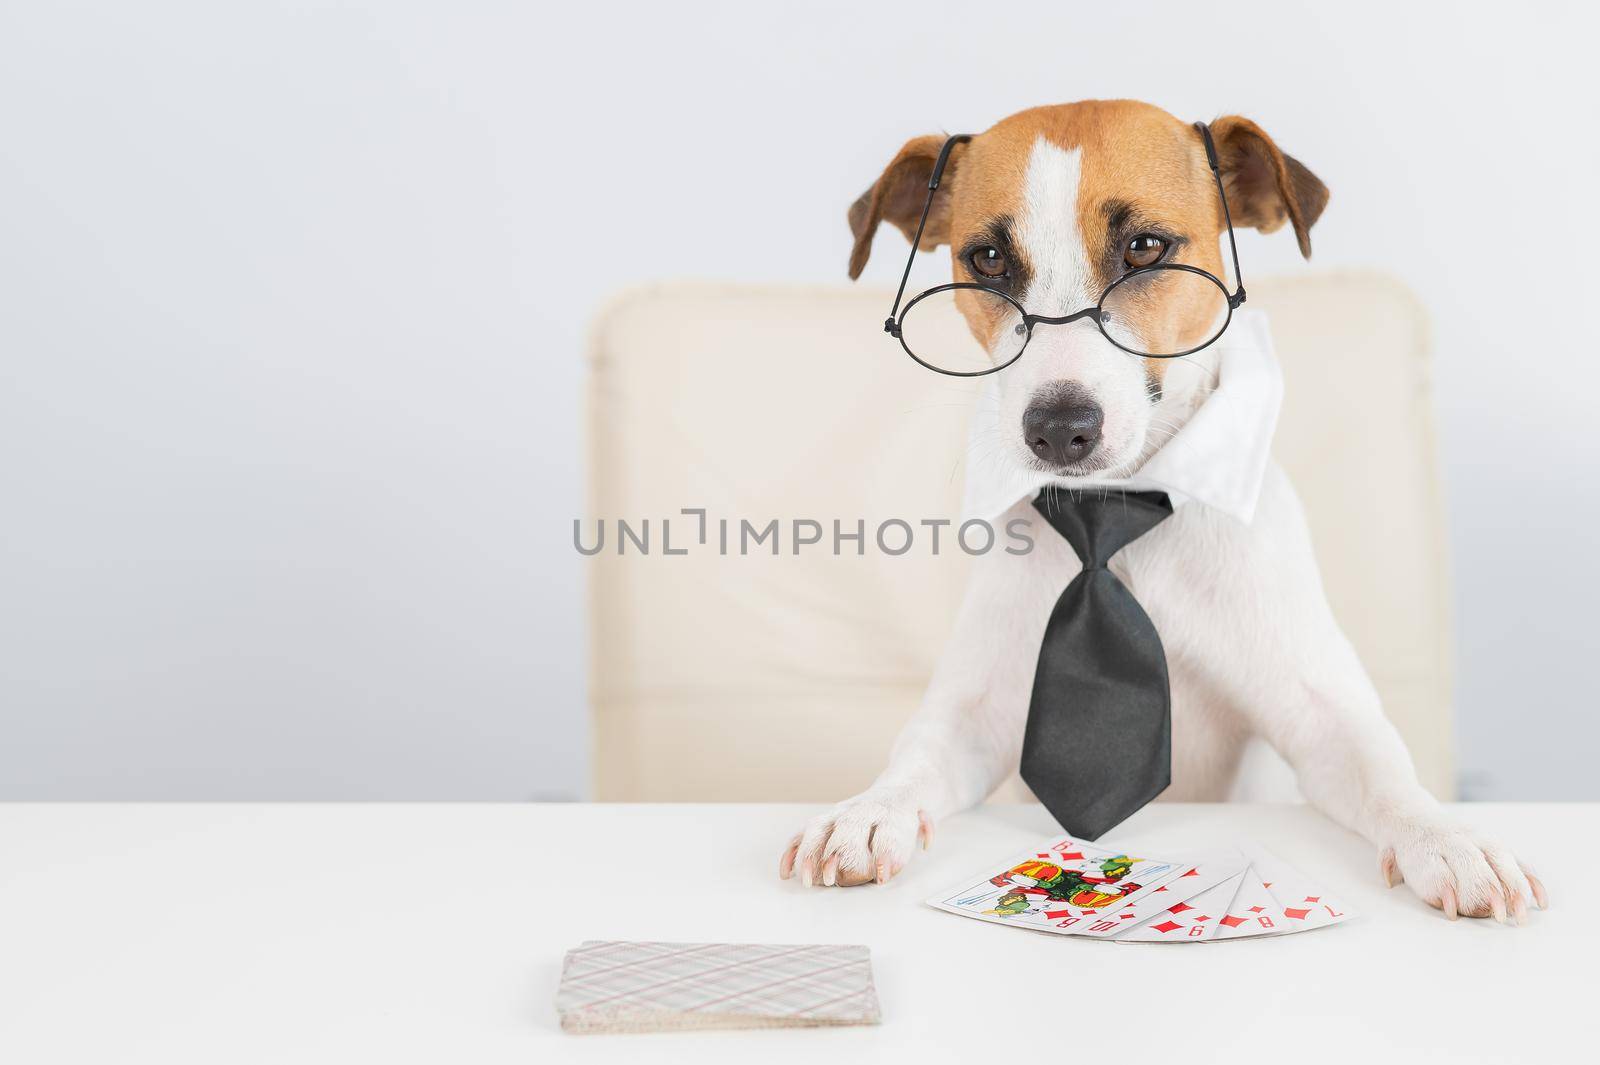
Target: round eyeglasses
[{"x": 1162, "y": 311}]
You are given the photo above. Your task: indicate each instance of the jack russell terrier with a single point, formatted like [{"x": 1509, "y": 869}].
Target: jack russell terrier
[{"x": 1051, "y": 206}]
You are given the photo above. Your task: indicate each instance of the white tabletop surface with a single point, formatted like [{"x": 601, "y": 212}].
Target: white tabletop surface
[{"x": 407, "y": 933}]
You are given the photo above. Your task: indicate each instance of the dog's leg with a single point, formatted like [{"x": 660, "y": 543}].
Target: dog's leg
[
  {"x": 1268, "y": 630},
  {"x": 965, "y": 738}
]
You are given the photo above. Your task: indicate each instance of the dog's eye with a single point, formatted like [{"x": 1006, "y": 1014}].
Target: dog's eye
[
  {"x": 1144, "y": 250},
  {"x": 989, "y": 262}
]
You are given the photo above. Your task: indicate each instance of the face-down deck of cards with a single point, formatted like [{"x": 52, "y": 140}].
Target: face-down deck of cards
[{"x": 1074, "y": 888}]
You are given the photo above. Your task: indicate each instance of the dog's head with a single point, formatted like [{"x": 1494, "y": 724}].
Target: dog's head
[{"x": 1051, "y": 206}]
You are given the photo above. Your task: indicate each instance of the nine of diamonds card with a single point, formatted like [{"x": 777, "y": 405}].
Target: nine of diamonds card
[
  {"x": 1195, "y": 919},
  {"x": 1072, "y": 887}
]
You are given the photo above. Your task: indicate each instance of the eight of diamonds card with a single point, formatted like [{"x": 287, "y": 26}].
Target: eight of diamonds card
[
  {"x": 1253, "y": 911},
  {"x": 1060, "y": 886}
]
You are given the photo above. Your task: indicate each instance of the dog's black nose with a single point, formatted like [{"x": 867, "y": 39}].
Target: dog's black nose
[{"x": 1064, "y": 429}]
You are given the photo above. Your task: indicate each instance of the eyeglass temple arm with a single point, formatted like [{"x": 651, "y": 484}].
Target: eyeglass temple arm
[
  {"x": 1216, "y": 172},
  {"x": 891, "y": 326}
]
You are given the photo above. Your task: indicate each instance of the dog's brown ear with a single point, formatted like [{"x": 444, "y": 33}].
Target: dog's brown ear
[
  {"x": 1264, "y": 184},
  {"x": 898, "y": 197}
]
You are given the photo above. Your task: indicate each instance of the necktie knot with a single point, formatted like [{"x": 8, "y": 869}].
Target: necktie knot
[{"x": 1098, "y": 523}]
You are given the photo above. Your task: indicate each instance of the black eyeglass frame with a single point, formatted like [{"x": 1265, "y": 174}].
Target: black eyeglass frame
[{"x": 1097, "y": 313}]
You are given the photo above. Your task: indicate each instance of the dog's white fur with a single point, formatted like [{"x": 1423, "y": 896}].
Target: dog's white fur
[
  {"x": 1062, "y": 285},
  {"x": 1252, "y": 646}
]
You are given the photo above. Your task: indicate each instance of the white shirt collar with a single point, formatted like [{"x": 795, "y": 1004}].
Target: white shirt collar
[{"x": 1218, "y": 458}]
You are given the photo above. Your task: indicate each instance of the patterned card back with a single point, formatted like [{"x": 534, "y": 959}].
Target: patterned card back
[{"x": 650, "y": 987}]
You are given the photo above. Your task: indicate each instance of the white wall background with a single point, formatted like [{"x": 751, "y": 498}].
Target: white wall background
[{"x": 292, "y": 298}]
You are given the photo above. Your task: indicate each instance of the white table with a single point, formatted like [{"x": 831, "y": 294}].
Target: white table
[{"x": 403, "y": 933}]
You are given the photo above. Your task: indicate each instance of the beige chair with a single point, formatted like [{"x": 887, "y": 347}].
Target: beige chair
[{"x": 762, "y": 678}]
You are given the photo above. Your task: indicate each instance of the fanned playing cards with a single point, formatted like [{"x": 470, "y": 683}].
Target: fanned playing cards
[
  {"x": 657, "y": 987},
  {"x": 1101, "y": 891}
]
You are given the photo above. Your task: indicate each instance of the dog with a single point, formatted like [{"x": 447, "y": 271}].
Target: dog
[{"x": 1252, "y": 647}]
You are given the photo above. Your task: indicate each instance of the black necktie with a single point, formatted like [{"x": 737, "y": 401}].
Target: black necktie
[{"x": 1098, "y": 745}]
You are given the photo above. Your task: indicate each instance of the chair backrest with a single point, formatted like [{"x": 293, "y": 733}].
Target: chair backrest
[{"x": 761, "y": 677}]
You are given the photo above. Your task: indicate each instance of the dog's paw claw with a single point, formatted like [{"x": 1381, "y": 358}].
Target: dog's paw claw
[
  {"x": 1447, "y": 903},
  {"x": 1540, "y": 899},
  {"x": 863, "y": 840}
]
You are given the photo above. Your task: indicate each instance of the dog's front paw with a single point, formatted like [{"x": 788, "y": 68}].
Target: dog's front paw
[
  {"x": 1452, "y": 870},
  {"x": 862, "y": 839}
]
